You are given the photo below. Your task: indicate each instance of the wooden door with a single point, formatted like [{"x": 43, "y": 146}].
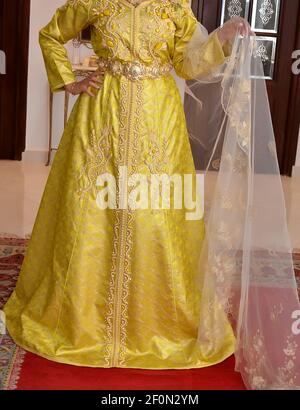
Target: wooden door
[
  {"x": 14, "y": 40},
  {"x": 277, "y": 26}
]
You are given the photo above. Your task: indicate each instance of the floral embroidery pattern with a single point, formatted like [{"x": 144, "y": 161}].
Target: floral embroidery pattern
[
  {"x": 117, "y": 317},
  {"x": 154, "y": 155},
  {"x": 236, "y": 111},
  {"x": 98, "y": 156},
  {"x": 156, "y": 28},
  {"x": 287, "y": 372},
  {"x": 155, "y": 33},
  {"x": 113, "y": 29},
  {"x": 277, "y": 310},
  {"x": 110, "y": 317}
]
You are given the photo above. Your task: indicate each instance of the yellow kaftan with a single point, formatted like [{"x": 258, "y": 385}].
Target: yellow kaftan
[{"x": 116, "y": 287}]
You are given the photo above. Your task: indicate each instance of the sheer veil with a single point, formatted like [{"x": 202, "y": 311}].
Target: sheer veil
[{"x": 246, "y": 267}]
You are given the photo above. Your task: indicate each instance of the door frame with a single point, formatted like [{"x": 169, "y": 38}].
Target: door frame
[
  {"x": 16, "y": 37},
  {"x": 293, "y": 122}
]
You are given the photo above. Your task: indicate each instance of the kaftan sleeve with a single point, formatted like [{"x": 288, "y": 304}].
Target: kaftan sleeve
[
  {"x": 65, "y": 25},
  {"x": 196, "y": 53}
]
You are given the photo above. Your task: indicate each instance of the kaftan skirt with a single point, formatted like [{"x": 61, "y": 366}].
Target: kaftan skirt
[{"x": 115, "y": 287}]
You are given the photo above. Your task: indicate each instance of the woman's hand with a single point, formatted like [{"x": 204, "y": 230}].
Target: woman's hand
[
  {"x": 86, "y": 85},
  {"x": 229, "y": 30}
]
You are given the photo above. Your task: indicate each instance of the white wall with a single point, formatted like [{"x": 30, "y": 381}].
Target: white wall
[
  {"x": 37, "y": 100},
  {"x": 37, "y": 131},
  {"x": 38, "y": 90}
]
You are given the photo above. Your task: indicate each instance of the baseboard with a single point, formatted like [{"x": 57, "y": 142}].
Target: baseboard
[
  {"x": 35, "y": 157},
  {"x": 296, "y": 171}
]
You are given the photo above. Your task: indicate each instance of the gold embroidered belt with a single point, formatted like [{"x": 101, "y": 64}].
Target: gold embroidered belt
[{"x": 133, "y": 70}]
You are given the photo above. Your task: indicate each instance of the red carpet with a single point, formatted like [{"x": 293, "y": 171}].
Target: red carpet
[
  {"x": 38, "y": 373},
  {"x": 24, "y": 371}
]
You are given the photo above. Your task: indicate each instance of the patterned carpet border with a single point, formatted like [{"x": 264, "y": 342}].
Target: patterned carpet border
[
  {"x": 296, "y": 259},
  {"x": 11, "y": 360},
  {"x": 12, "y": 251}
]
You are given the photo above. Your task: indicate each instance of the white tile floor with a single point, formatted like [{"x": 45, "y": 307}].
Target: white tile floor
[{"x": 22, "y": 185}]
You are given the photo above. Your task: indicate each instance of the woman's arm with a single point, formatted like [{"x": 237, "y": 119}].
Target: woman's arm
[
  {"x": 197, "y": 55},
  {"x": 66, "y": 24}
]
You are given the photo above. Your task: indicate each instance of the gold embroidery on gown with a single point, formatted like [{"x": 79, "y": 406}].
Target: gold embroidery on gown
[{"x": 116, "y": 288}]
